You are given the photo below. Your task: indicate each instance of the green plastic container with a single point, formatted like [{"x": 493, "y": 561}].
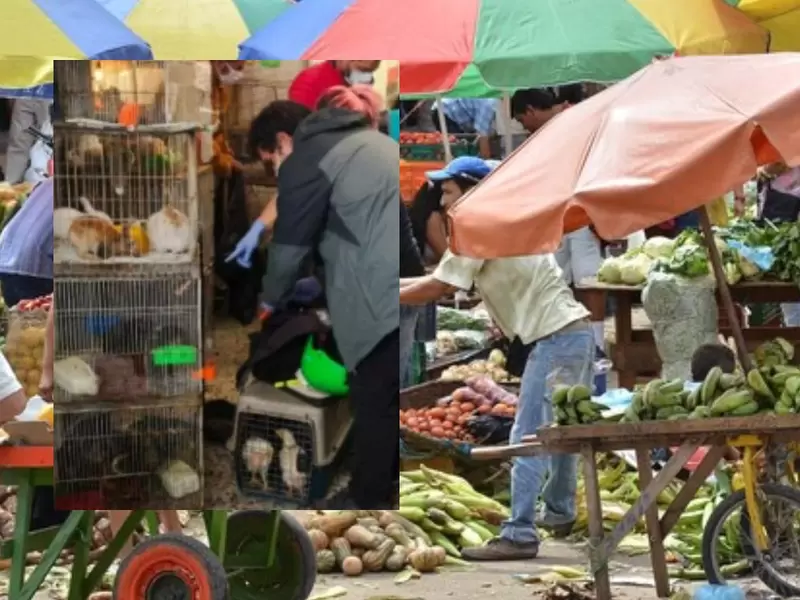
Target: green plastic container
[
  {"x": 170, "y": 356},
  {"x": 322, "y": 372}
]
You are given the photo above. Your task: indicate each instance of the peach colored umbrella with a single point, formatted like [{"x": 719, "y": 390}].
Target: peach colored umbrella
[{"x": 667, "y": 140}]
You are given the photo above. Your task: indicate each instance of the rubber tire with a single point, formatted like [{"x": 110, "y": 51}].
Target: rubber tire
[
  {"x": 238, "y": 522},
  {"x": 765, "y": 575},
  {"x": 213, "y": 569}
]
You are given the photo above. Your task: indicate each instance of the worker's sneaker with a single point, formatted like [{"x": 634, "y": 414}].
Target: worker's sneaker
[{"x": 500, "y": 549}]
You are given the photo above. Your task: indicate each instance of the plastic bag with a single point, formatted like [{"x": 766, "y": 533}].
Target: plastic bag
[
  {"x": 684, "y": 316},
  {"x": 75, "y": 377}
]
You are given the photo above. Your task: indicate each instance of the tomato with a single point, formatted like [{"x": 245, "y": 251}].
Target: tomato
[
  {"x": 447, "y": 425},
  {"x": 467, "y": 407},
  {"x": 484, "y": 409},
  {"x": 437, "y": 413},
  {"x": 437, "y": 432},
  {"x": 412, "y": 422}
]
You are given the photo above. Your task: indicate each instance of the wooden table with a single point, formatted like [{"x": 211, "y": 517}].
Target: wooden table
[
  {"x": 688, "y": 436},
  {"x": 635, "y": 354}
]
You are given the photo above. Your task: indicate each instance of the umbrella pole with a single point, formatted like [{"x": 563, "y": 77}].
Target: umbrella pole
[
  {"x": 448, "y": 152},
  {"x": 508, "y": 138},
  {"x": 725, "y": 291}
]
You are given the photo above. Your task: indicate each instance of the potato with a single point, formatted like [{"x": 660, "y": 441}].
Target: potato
[
  {"x": 31, "y": 390},
  {"x": 32, "y": 337},
  {"x": 33, "y": 376},
  {"x": 24, "y": 363}
]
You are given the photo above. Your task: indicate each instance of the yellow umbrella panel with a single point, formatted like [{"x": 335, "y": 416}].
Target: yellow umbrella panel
[{"x": 780, "y": 17}]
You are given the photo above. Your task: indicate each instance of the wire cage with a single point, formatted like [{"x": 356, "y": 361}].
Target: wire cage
[
  {"x": 142, "y": 337},
  {"x": 125, "y": 196},
  {"x": 121, "y": 91},
  {"x": 148, "y": 456},
  {"x": 288, "y": 448}
]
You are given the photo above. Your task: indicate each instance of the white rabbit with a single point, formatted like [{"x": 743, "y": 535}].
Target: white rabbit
[
  {"x": 90, "y": 210},
  {"x": 169, "y": 230},
  {"x": 62, "y": 221}
]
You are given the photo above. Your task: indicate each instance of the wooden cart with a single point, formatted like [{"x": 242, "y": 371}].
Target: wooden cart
[
  {"x": 688, "y": 436},
  {"x": 635, "y": 355}
]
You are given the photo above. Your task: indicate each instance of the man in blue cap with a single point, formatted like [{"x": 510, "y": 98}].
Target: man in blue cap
[{"x": 531, "y": 303}]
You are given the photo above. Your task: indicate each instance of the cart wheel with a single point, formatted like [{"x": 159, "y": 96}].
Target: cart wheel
[
  {"x": 294, "y": 569},
  {"x": 171, "y": 567}
]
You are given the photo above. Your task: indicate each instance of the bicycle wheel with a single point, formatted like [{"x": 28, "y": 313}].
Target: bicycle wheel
[{"x": 728, "y": 542}]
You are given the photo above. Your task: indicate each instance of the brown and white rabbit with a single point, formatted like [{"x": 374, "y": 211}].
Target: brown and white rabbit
[
  {"x": 95, "y": 238},
  {"x": 64, "y": 217},
  {"x": 169, "y": 231}
]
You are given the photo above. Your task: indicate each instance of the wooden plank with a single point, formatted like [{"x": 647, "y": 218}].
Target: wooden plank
[
  {"x": 648, "y": 497},
  {"x": 640, "y": 432},
  {"x": 689, "y": 489},
  {"x": 658, "y": 557},
  {"x": 594, "y": 508}
]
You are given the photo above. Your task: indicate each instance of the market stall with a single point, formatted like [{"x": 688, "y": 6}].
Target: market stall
[{"x": 634, "y": 352}]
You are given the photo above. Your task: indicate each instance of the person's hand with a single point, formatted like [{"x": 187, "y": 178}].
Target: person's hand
[
  {"x": 739, "y": 206},
  {"x": 247, "y": 245},
  {"x": 264, "y": 311},
  {"x": 46, "y": 385},
  {"x": 236, "y": 165},
  {"x": 307, "y": 290}
]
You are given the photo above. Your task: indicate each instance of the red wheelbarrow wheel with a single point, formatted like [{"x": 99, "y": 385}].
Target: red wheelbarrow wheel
[{"x": 171, "y": 566}]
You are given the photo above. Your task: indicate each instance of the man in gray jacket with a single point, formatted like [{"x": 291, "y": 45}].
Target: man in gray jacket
[{"x": 338, "y": 187}]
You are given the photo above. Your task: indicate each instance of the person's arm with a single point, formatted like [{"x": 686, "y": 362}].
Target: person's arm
[
  {"x": 739, "y": 201},
  {"x": 436, "y": 234},
  {"x": 48, "y": 356},
  {"x": 484, "y": 126},
  {"x": 303, "y": 202},
  {"x": 12, "y": 396},
  {"x": 20, "y": 141},
  {"x": 453, "y": 273}
]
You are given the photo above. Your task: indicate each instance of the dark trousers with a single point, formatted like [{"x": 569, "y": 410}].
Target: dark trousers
[{"x": 374, "y": 392}]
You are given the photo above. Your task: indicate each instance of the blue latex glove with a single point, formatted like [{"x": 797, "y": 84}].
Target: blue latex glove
[
  {"x": 307, "y": 290},
  {"x": 247, "y": 245},
  {"x": 264, "y": 311}
]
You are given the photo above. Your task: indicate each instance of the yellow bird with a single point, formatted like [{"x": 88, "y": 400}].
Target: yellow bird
[{"x": 137, "y": 233}]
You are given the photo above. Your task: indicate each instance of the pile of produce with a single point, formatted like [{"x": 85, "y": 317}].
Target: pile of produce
[
  {"x": 24, "y": 346},
  {"x": 459, "y": 331},
  {"x": 619, "y": 491},
  {"x": 449, "y": 510},
  {"x": 494, "y": 367},
  {"x": 773, "y": 387},
  {"x": 687, "y": 256},
  {"x": 356, "y": 542},
  {"x": 424, "y": 137},
  {"x": 462, "y": 415},
  {"x": 573, "y": 405}
]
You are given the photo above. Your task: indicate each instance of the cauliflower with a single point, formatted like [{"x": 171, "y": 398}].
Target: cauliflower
[{"x": 658, "y": 247}]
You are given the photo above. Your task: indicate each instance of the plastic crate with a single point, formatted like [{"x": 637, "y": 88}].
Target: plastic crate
[{"x": 412, "y": 176}]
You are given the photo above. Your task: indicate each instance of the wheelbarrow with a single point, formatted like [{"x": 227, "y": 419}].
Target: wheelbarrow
[{"x": 251, "y": 554}]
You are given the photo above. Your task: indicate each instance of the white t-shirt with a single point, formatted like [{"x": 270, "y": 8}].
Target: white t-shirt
[
  {"x": 8, "y": 381},
  {"x": 526, "y": 296}
]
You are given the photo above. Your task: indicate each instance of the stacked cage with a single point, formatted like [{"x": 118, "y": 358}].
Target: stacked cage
[{"x": 129, "y": 335}]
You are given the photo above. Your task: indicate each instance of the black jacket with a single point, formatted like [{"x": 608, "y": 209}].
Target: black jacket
[{"x": 410, "y": 259}]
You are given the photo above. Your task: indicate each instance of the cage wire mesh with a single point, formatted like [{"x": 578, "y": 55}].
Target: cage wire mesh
[
  {"x": 119, "y": 326},
  {"x": 274, "y": 457},
  {"x": 124, "y": 196},
  {"x": 141, "y": 457}
]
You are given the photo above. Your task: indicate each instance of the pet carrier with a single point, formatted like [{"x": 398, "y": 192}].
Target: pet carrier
[{"x": 289, "y": 438}]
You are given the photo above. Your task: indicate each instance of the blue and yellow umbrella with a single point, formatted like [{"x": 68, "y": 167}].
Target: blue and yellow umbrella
[
  {"x": 780, "y": 17},
  {"x": 195, "y": 29},
  {"x": 37, "y": 32}
]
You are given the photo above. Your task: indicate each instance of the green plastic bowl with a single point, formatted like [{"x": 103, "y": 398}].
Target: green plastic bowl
[{"x": 322, "y": 372}]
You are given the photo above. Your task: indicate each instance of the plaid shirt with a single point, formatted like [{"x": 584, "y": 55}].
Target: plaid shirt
[
  {"x": 471, "y": 114},
  {"x": 26, "y": 244}
]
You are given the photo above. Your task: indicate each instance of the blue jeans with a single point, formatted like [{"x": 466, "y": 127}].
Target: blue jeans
[
  {"x": 791, "y": 315},
  {"x": 563, "y": 358},
  {"x": 408, "y": 327}
]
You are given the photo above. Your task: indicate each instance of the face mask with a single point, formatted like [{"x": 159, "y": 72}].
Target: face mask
[
  {"x": 230, "y": 77},
  {"x": 357, "y": 77}
]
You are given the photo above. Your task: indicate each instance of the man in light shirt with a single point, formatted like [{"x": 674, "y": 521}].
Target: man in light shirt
[
  {"x": 12, "y": 397},
  {"x": 528, "y": 300}
]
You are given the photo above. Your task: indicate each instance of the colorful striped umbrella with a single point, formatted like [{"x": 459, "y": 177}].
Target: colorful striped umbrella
[
  {"x": 37, "y": 32},
  {"x": 780, "y": 17},
  {"x": 195, "y": 29},
  {"x": 511, "y": 45}
]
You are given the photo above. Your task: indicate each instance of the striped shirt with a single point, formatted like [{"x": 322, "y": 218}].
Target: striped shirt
[
  {"x": 26, "y": 243},
  {"x": 472, "y": 114}
]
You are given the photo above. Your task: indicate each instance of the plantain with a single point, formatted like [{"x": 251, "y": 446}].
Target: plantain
[
  {"x": 651, "y": 392},
  {"x": 730, "y": 380},
  {"x": 750, "y": 408},
  {"x": 709, "y": 390},
  {"x": 670, "y": 411},
  {"x": 730, "y": 401},
  {"x": 577, "y": 393},
  {"x": 693, "y": 399},
  {"x": 792, "y": 386},
  {"x": 757, "y": 383},
  {"x": 665, "y": 400},
  {"x": 673, "y": 386},
  {"x": 783, "y": 409},
  {"x": 700, "y": 412},
  {"x": 560, "y": 394}
]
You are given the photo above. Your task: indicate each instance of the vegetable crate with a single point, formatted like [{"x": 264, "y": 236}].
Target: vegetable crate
[
  {"x": 412, "y": 177},
  {"x": 251, "y": 554},
  {"x": 288, "y": 446}
]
